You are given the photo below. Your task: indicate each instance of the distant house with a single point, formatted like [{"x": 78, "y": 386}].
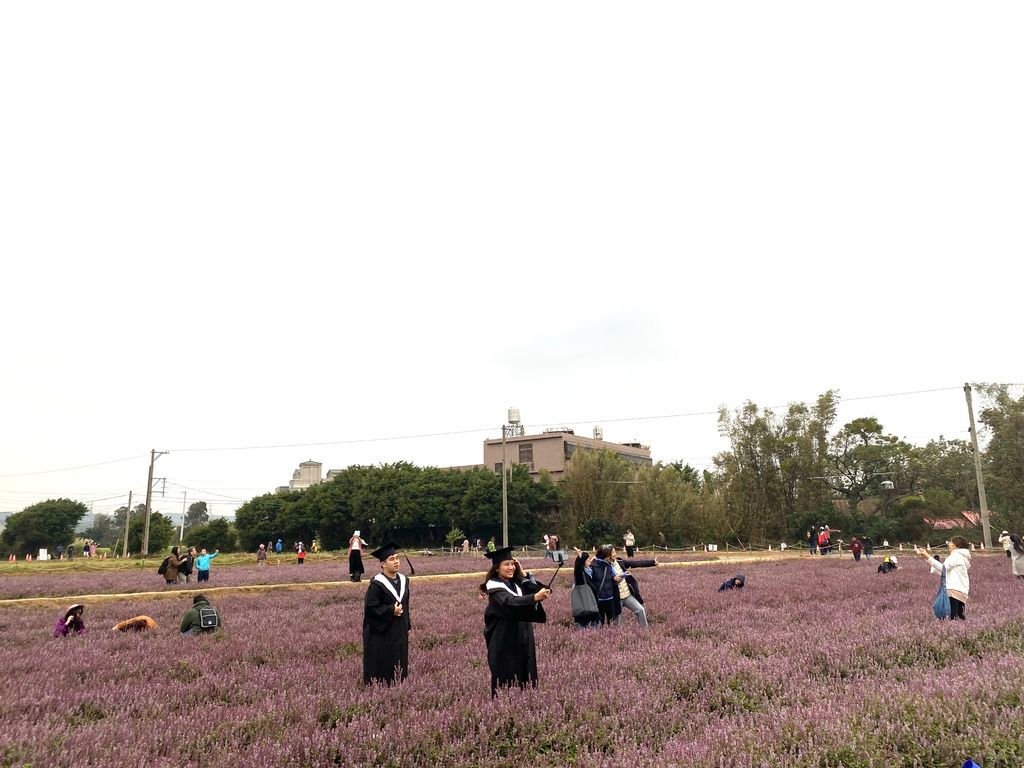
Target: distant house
[
  {"x": 551, "y": 450},
  {"x": 967, "y": 519}
]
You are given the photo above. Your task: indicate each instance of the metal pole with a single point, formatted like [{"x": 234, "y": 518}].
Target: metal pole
[
  {"x": 504, "y": 488},
  {"x": 149, "y": 500},
  {"x": 127, "y": 517},
  {"x": 986, "y": 529}
]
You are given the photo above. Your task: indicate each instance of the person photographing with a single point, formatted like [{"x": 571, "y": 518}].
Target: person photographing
[{"x": 513, "y": 607}]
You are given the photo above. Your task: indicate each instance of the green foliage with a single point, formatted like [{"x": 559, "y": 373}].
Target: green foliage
[
  {"x": 43, "y": 525},
  {"x": 103, "y": 531},
  {"x": 161, "y": 532},
  {"x": 412, "y": 505},
  {"x": 197, "y": 514},
  {"x": 218, "y": 534},
  {"x": 597, "y": 531},
  {"x": 1004, "y": 455},
  {"x": 454, "y": 537},
  {"x": 256, "y": 521}
]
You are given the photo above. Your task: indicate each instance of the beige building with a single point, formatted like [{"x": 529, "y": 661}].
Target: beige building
[
  {"x": 553, "y": 448},
  {"x": 308, "y": 474}
]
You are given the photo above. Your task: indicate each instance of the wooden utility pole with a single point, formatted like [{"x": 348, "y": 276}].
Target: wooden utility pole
[
  {"x": 986, "y": 530},
  {"x": 127, "y": 518},
  {"x": 153, "y": 454}
]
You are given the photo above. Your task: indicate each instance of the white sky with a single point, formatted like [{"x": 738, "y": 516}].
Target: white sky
[{"x": 242, "y": 224}]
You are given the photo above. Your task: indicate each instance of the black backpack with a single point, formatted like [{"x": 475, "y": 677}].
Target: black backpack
[
  {"x": 163, "y": 566},
  {"x": 209, "y": 619}
]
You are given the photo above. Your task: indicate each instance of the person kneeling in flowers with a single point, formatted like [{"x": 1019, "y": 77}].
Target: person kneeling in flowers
[
  {"x": 736, "y": 582},
  {"x": 70, "y": 622}
]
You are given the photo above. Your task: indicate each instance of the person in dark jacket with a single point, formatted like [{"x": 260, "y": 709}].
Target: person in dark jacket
[
  {"x": 581, "y": 580},
  {"x": 386, "y": 620},
  {"x": 605, "y": 582},
  {"x": 736, "y": 582},
  {"x": 201, "y": 619},
  {"x": 869, "y": 547},
  {"x": 513, "y": 607},
  {"x": 888, "y": 565}
]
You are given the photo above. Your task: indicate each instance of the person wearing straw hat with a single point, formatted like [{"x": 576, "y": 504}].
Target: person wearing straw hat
[
  {"x": 70, "y": 622},
  {"x": 386, "y": 620},
  {"x": 513, "y": 607}
]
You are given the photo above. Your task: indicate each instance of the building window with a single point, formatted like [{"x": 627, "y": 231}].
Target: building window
[
  {"x": 526, "y": 453},
  {"x": 497, "y": 466}
]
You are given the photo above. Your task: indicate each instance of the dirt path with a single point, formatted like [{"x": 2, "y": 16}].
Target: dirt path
[{"x": 177, "y": 593}]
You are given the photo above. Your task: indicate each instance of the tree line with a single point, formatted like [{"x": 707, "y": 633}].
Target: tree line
[{"x": 782, "y": 473}]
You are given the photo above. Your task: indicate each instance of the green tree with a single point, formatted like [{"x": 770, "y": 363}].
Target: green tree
[
  {"x": 45, "y": 524},
  {"x": 595, "y": 488},
  {"x": 862, "y": 457},
  {"x": 161, "y": 532},
  {"x": 454, "y": 538},
  {"x": 103, "y": 531},
  {"x": 256, "y": 521},
  {"x": 1004, "y": 455},
  {"x": 197, "y": 514},
  {"x": 214, "y": 535}
]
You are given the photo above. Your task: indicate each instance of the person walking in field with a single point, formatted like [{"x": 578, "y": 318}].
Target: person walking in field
[
  {"x": 1017, "y": 555},
  {"x": 856, "y": 547},
  {"x": 261, "y": 556},
  {"x": 355, "y": 556},
  {"x": 1004, "y": 539},
  {"x": 630, "y": 541}
]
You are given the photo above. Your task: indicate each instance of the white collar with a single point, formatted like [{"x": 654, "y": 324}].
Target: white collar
[
  {"x": 499, "y": 584},
  {"x": 386, "y": 583}
]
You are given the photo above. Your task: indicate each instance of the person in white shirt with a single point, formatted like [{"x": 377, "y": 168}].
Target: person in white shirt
[
  {"x": 355, "y": 556},
  {"x": 956, "y": 567},
  {"x": 1004, "y": 539}
]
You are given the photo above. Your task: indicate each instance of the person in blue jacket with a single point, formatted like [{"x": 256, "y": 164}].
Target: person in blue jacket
[{"x": 203, "y": 564}]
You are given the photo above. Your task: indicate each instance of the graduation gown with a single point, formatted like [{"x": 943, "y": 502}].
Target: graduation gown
[
  {"x": 508, "y": 629},
  {"x": 385, "y": 636}
]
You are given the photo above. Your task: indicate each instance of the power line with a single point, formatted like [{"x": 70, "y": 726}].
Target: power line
[{"x": 421, "y": 436}]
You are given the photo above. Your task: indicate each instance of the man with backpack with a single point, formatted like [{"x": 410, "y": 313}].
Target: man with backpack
[{"x": 201, "y": 619}]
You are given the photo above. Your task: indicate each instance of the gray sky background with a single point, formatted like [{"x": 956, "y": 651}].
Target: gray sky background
[{"x": 254, "y": 224}]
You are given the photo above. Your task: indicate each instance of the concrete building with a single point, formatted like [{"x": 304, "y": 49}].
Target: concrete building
[
  {"x": 553, "y": 448},
  {"x": 308, "y": 474}
]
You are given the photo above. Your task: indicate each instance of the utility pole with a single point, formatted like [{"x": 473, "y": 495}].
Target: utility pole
[
  {"x": 127, "y": 517},
  {"x": 184, "y": 501},
  {"x": 986, "y": 529},
  {"x": 153, "y": 454}
]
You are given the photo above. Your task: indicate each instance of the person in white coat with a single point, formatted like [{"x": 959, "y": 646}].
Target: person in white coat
[
  {"x": 956, "y": 566},
  {"x": 1017, "y": 555},
  {"x": 1004, "y": 539}
]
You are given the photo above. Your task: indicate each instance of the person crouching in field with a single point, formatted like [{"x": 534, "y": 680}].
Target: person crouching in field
[
  {"x": 386, "y": 620},
  {"x": 135, "y": 624},
  {"x": 70, "y": 622},
  {"x": 201, "y": 619},
  {"x": 736, "y": 582},
  {"x": 889, "y": 564}
]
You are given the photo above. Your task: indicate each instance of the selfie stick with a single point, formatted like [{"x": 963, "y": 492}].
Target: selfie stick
[
  {"x": 412, "y": 571},
  {"x": 560, "y": 563}
]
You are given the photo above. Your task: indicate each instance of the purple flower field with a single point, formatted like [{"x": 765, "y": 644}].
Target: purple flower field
[{"x": 816, "y": 663}]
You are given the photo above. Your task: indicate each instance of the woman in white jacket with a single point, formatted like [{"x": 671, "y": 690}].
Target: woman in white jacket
[{"x": 956, "y": 566}]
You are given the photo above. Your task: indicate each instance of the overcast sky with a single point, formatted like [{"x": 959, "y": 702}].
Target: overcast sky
[{"x": 249, "y": 224}]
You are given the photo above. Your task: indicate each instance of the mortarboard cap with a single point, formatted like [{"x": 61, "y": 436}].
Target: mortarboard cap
[
  {"x": 386, "y": 551},
  {"x": 498, "y": 555}
]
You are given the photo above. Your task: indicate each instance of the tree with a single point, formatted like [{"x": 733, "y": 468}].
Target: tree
[
  {"x": 595, "y": 488},
  {"x": 45, "y": 524},
  {"x": 454, "y": 538},
  {"x": 862, "y": 457},
  {"x": 214, "y": 535},
  {"x": 103, "y": 530},
  {"x": 197, "y": 514},
  {"x": 256, "y": 521},
  {"x": 1004, "y": 455},
  {"x": 161, "y": 532}
]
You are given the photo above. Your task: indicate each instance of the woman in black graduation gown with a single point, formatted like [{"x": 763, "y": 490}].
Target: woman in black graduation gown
[
  {"x": 513, "y": 607},
  {"x": 386, "y": 620}
]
